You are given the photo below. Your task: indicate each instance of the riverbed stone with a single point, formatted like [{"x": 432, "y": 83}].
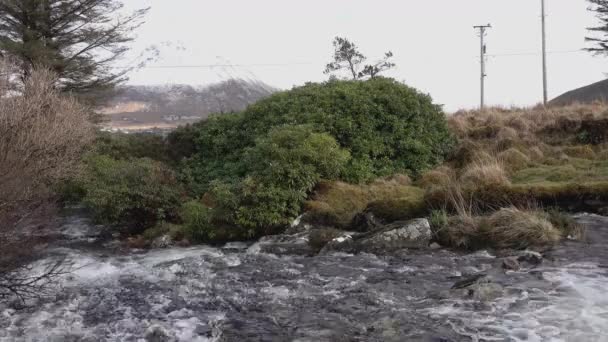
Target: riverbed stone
[
  {"x": 530, "y": 257},
  {"x": 297, "y": 244},
  {"x": 343, "y": 243},
  {"x": 435, "y": 246},
  {"x": 365, "y": 222},
  {"x": 511, "y": 264},
  {"x": 164, "y": 241},
  {"x": 414, "y": 234}
]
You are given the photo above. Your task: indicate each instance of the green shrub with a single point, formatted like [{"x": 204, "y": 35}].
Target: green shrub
[
  {"x": 137, "y": 192},
  {"x": 133, "y": 145},
  {"x": 196, "y": 220},
  {"x": 295, "y": 157},
  {"x": 387, "y": 127},
  {"x": 174, "y": 231},
  {"x": 259, "y": 166},
  {"x": 438, "y": 219},
  {"x": 209, "y": 225}
]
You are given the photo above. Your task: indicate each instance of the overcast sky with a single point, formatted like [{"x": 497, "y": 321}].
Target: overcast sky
[{"x": 434, "y": 43}]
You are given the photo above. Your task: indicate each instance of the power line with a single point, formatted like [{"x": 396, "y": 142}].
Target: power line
[
  {"x": 211, "y": 66},
  {"x": 535, "y": 53}
]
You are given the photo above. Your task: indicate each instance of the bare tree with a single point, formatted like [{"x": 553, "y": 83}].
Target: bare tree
[
  {"x": 348, "y": 57},
  {"x": 42, "y": 137}
]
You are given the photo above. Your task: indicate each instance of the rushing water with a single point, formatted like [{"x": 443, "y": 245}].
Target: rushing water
[{"x": 237, "y": 293}]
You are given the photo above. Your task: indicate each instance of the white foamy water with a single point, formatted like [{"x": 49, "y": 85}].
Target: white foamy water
[{"x": 574, "y": 308}]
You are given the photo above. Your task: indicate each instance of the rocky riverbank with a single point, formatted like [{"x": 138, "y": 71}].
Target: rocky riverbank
[{"x": 273, "y": 290}]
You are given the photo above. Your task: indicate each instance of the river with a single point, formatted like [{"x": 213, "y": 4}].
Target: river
[{"x": 238, "y": 293}]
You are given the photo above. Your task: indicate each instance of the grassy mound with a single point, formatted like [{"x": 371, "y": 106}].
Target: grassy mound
[
  {"x": 507, "y": 228},
  {"x": 337, "y": 203}
]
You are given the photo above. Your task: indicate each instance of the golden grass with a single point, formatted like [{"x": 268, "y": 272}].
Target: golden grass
[
  {"x": 523, "y": 123},
  {"x": 514, "y": 160},
  {"x": 336, "y": 203},
  {"x": 515, "y": 228},
  {"x": 506, "y": 228},
  {"x": 488, "y": 171}
]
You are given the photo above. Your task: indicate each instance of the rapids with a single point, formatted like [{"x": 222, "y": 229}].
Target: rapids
[{"x": 237, "y": 293}]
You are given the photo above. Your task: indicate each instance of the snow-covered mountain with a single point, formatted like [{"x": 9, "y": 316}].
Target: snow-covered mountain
[{"x": 168, "y": 106}]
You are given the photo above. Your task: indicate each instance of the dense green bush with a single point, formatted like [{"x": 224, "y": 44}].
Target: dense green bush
[
  {"x": 388, "y": 128},
  {"x": 259, "y": 166},
  {"x": 137, "y": 192},
  {"x": 132, "y": 145},
  {"x": 196, "y": 220},
  {"x": 282, "y": 168}
]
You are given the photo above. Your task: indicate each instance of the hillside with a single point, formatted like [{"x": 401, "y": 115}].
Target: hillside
[
  {"x": 585, "y": 95},
  {"x": 168, "y": 106}
]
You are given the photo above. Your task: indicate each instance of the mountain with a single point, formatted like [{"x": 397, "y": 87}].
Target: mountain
[
  {"x": 168, "y": 106},
  {"x": 588, "y": 94}
]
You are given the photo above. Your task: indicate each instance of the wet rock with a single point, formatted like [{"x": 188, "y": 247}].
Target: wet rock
[
  {"x": 486, "y": 292},
  {"x": 284, "y": 245},
  {"x": 511, "y": 264},
  {"x": 344, "y": 243},
  {"x": 299, "y": 225},
  {"x": 365, "y": 222},
  {"x": 157, "y": 334},
  {"x": 164, "y": 241},
  {"x": 468, "y": 281},
  {"x": 530, "y": 257},
  {"x": 399, "y": 235},
  {"x": 435, "y": 246}
]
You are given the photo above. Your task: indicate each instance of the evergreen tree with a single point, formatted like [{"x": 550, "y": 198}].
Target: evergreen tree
[
  {"x": 79, "y": 40},
  {"x": 600, "y": 40}
]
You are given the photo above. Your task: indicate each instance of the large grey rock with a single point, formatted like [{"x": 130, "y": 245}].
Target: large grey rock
[
  {"x": 399, "y": 235},
  {"x": 392, "y": 237},
  {"x": 344, "y": 243}
]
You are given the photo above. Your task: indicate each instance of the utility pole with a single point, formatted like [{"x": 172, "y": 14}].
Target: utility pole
[
  {"x": 545, "y": 91},
  {"x": 482, "y": 55}
]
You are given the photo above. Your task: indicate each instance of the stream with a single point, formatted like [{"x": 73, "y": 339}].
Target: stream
[{"x": 238, "y": 293}]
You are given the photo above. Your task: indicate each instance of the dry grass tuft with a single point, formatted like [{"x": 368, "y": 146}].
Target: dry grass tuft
[
  {"x": 336, "y": 203},
  {"x": 485, "y": 172},
  {"x": 507, "y": 228},
  {"x": 515, "y": 228},
  {"x": 440, "y": 177},
  {"x": 580, "y": 151},
  {"x": 514, "y": 160}
]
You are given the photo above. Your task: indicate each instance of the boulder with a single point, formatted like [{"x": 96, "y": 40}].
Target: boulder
[
  {"x": 435, "y": 246},
  {"x": 365, "y": 222},
  {"x": 414, "y": 234},
  {"x": 164, "y": 241},
  {"x": 344, "y": 243},
  {"x": 296, "y": 244},
  {"x": 530, "y": 257},
  {"x": 511, "y": 264},
  {"x": 399, "y": 235}
]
